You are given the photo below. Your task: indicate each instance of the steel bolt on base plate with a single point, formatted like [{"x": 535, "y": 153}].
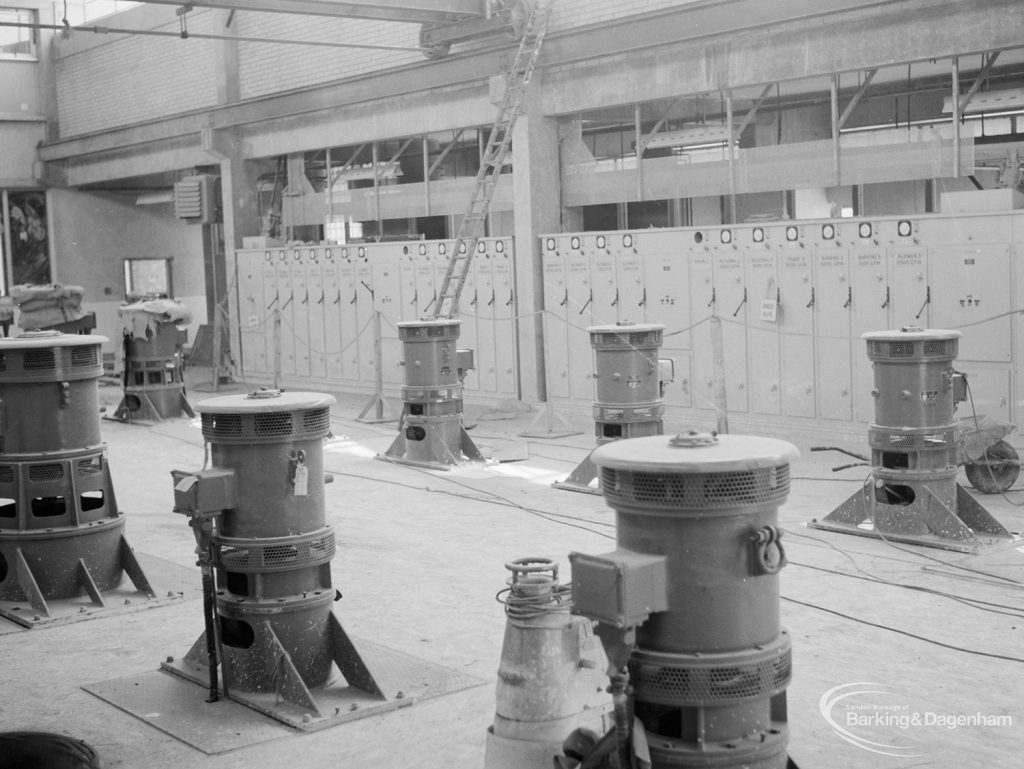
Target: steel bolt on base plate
[
  {"x": 580, "y": 478},
  {"x": 408, "y": 680},
  {"x": 133, "y": 594},
  {"x": 928, "y": 523}
]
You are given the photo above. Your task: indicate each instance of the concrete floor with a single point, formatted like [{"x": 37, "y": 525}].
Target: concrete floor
[{"x": 421, "y": 555}]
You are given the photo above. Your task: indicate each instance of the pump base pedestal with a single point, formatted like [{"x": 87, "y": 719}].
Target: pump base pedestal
[
  {"x": 927, "y": 521},
  {"x": 138, "y": 406},
  {"x": 435, "y": 449},
  {"x": 133, "y": 593},
  {"x": 580, "y": 478},
  {"x": 399, "y": 679}
]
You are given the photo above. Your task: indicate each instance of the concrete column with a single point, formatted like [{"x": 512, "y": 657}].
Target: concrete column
[
  {"x": 537, "y": 194},
  {"x": 240, "y": 218}
]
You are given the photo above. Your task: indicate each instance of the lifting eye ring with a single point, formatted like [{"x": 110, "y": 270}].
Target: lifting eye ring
[{"x": 769, "y": 555}]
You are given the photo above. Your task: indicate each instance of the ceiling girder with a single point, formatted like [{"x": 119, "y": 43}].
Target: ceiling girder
[
  {"x": 976, "y": 85},
  {"x": 444, "y": 153},
  {"x": 747, "y": 118},
  {"x": 661, "y": 121},
  {"x": 394, "y": 158},
  {"x": 868, "y": 77},
  {"x": 344, "y": 168}
]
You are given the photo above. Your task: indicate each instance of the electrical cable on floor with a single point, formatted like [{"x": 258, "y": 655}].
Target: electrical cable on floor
[
  {"x": 555, "y": 459},
  {"x": 950, "y": 564},
  {"x": 976, "y": 603},
  {"x": 551, "y": 517},
  {"x": 819, "y": 540},
  {"x": 988, "y": 465},
  {"x": 487, "y": 497},
  {"x": 904, "y": 632},
  {"x": 869, "y": 577}
]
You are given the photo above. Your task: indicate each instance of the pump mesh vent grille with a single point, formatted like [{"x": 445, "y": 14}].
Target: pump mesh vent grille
[
  {"x": 6, "y": 474},
  {"x": 879, "y": 438},
  {"x": 267, "y": 426},
  {"x": 90, "y": 466},
  {"x": 273, "y": 424},
  {"x": 44, "y": 473},
  {"x": 940, "y": 348},
  {"x": 684, "y": 685},
  {"x": 317, "y": 420},
  {"x": 222, "y": 425},
  {"x": 84, "y": 356},
  {"x": 696, "y": 490},
  {"x": 301, "y": 552},
  {"x": 930, "y": 348},
  {"x": 35, "y": 360}
]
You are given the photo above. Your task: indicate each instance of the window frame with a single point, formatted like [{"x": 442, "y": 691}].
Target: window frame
[{"x": 21, "y": 15}]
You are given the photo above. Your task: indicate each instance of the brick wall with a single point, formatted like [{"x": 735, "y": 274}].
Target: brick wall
[
  {"x": 271, "y": 68},
  {"x": 130, "y": 79},
  {"x": 122, "y": 80}
]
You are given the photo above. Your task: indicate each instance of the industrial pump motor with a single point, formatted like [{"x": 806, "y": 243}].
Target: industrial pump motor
[
  {"x": 629, "y": 388},
  {"x": 430, "y": 432},
  {"x": 61, "y": 532},
  {"x": 688, "y": 604},
  {"x": 259, "y": 517},
  {"x": 912, "y": 494}
]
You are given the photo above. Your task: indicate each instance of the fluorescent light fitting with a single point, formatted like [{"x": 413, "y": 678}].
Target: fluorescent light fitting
[
  {"x": 989, "y": 101},
  {"x": 700, "y": 134}
]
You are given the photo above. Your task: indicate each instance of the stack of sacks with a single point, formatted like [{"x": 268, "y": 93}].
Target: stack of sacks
[{"x": 48, "y": 306}]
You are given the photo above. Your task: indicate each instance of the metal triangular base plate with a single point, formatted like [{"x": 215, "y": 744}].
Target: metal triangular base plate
[
  {"x": 925, "y": 522},
  {"x": 397, "y": 680}
]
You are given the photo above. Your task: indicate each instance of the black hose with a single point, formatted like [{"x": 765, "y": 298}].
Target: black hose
[
  {"x": 841, "y": 451},
  {"x": 209, "y": 615}
]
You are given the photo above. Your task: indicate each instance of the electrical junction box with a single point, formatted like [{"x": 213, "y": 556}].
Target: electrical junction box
[
  {"x": 621, "y": 588},
  {"x": 203, "y": 493}
]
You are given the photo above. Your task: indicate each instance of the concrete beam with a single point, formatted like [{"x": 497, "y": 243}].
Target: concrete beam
[
  {"x": 439, "y": 78},
  {"x": 664, "y": 58},
  {"x": 411, "y": 11},
  {"x": 690, "y": 49},
  {"x": 592, "y": 44}
]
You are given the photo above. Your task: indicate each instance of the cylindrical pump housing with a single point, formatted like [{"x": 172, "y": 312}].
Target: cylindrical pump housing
[
  {"x": 58, "y": 513},
  {"x": 272, "y": 550},
  {"x": 710, "y": 672},
  {"x": 152, "y": 363},
  {"x": 628, "y": 380},
  {"x": 432, "y": 393},
  {"x": 913, "y": 437}
]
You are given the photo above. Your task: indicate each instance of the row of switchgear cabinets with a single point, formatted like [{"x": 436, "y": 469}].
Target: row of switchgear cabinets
[
  {"x": 329, "y": 297},
  {"x": 792, "y": 300}
]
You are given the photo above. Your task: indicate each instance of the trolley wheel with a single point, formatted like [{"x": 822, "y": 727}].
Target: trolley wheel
[{"x": 997, "y": 472}]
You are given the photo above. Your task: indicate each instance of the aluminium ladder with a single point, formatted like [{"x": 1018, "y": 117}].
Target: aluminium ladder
[{"x": 498, "y": 144}]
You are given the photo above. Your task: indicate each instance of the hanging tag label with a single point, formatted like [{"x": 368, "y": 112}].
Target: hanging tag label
[{"x": 301, "y": 480}]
